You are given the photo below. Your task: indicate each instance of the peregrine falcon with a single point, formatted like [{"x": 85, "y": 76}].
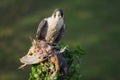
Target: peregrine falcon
[{"x": 51, "y": 29}]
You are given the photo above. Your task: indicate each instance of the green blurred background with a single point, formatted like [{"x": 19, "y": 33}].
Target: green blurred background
[{"x": 92, "y": 24}]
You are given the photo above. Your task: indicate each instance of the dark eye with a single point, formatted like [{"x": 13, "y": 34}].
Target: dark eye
[{"x": 54, "y": 15}]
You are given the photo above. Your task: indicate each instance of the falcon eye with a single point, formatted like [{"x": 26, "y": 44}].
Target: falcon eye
[{"x": 54, "y": 15}]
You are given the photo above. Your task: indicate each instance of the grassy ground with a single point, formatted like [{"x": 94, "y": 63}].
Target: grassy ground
[{"x": 94, "y": 25}]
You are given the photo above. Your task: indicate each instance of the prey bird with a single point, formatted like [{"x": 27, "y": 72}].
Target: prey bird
[{"x": 51, "y": 29}]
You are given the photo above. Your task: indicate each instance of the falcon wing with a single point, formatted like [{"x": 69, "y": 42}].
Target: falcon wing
[
  {"x": 41, "y": 26},
  {"x": 60, "y": 35}
]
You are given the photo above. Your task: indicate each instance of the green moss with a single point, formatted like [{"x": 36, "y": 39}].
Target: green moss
[{"x": 46, "y": 70}]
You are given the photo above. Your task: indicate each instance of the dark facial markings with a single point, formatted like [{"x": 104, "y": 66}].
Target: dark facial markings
[{"x": 60, "y": 12}]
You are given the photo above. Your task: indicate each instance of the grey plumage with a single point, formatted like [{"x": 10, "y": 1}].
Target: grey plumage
[
  {"x": 63, "y": 64},
  {"x": 41, "y": 31},
  {"x": 51, "y": 29}
]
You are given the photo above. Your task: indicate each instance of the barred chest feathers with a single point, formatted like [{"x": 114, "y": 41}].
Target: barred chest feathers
[{"x": 54, "y": 24}]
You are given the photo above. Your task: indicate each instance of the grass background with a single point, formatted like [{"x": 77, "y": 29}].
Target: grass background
[{"x": 92, "y": 24}]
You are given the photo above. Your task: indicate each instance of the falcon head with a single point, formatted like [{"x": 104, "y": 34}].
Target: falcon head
[{"x": 58, "y": 13}]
